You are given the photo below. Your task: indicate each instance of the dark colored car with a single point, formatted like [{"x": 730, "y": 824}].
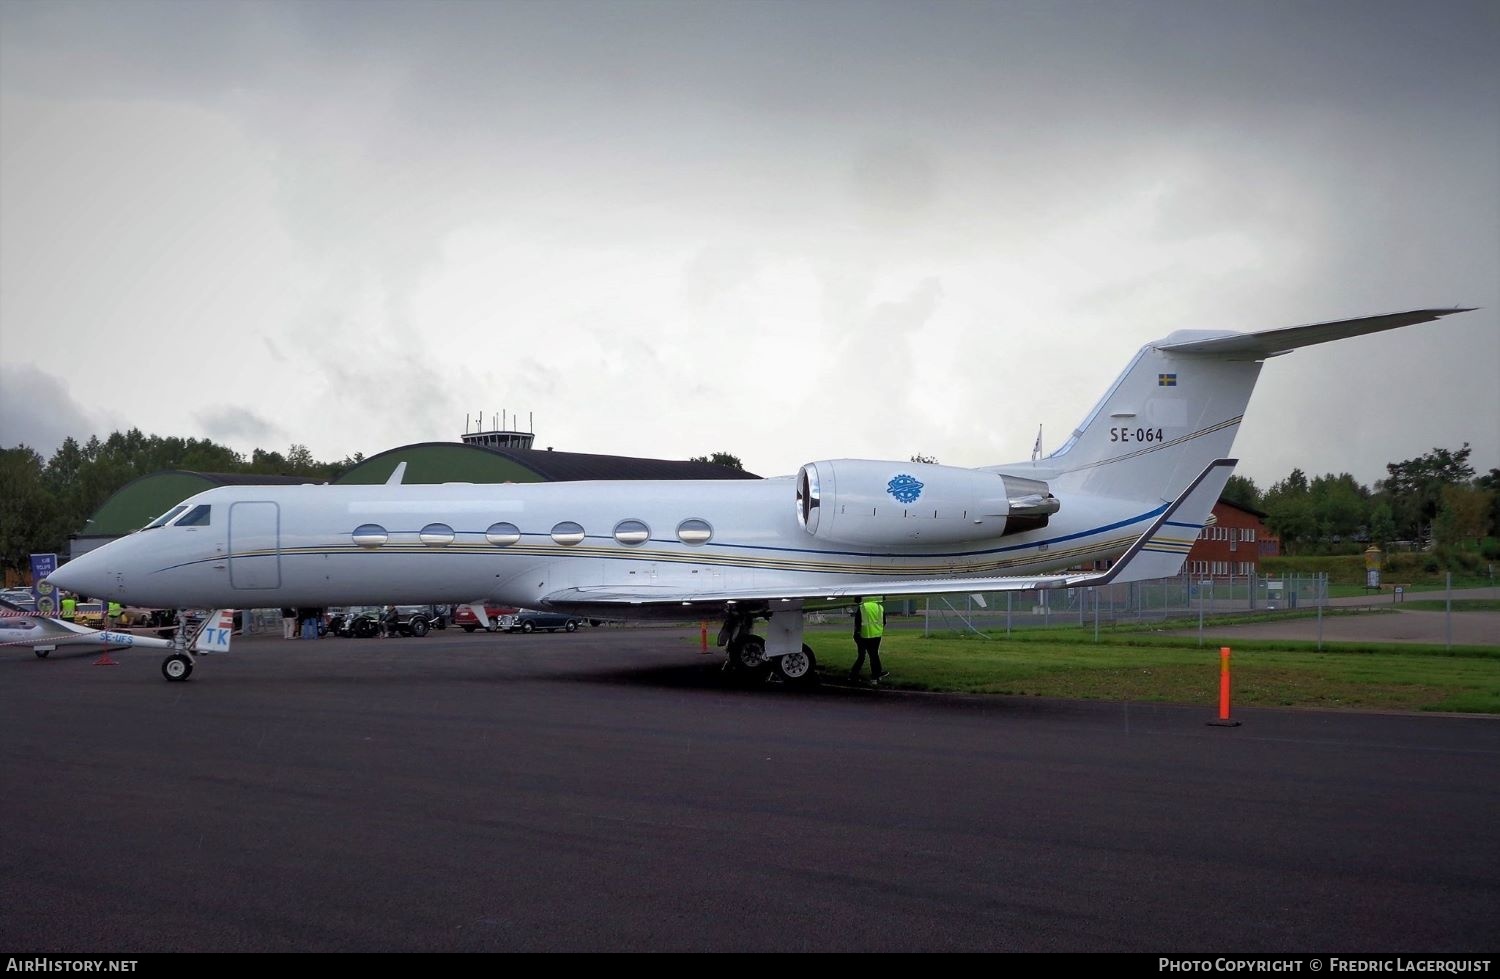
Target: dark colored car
[
  {"x": 530, "y": 620},
  {"x": 360, "y": 622}
]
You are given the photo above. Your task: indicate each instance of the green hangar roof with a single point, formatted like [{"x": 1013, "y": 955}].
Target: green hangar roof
[
  {"x": 455, "y": 462},
  {"x": 142, "y": 500}
]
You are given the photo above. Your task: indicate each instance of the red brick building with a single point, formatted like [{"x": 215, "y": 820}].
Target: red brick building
[{"x": 1233, "y": 544}]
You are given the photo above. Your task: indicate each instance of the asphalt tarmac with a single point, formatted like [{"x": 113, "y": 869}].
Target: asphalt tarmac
[{"x": 609, "y": 791}]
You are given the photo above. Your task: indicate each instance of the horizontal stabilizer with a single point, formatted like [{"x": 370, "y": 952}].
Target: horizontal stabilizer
[{"x": 1269, "y": 343}]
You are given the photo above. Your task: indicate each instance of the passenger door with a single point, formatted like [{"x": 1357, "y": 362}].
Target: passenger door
[{"x": 254, "y": 545}]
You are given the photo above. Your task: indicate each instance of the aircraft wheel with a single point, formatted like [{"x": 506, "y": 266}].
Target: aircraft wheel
[
  {"x": 798, "y": 668},
  {"x": 41, "y": 653},
  {"x": 571, "y": 626},
  {"x": 748, "y": 660},
  {"x": 469, "y": 628},
  {"x": 177, "y": 667}
]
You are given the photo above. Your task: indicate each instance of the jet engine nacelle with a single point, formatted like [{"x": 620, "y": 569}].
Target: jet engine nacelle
[{"x": 861, "y": 501}]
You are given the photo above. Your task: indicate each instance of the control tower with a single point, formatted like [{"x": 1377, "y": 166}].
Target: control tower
[{"x": 504, "y": 432}]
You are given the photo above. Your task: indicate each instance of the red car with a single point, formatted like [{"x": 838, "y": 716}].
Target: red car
[{"x": 465, "y": 619}]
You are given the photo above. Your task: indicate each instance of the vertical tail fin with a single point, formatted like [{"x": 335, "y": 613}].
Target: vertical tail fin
[
  {"x": 1165, "y": 419},
  {"x": 1177, "y": 407}
]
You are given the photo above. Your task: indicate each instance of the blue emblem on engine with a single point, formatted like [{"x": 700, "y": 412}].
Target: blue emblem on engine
[{"x": 904, "y": 488}]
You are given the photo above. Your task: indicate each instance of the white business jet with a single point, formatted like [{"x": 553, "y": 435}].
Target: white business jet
[{"x": 1134, "y": 484}]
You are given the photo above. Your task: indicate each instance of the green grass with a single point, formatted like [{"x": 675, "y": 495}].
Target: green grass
[
  {"x": 1459, "y": 605},
  {"x": 1140, "y": 664}
]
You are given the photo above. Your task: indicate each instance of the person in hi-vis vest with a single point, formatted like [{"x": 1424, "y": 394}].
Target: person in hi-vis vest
[
  {"x": 869, "y": 626},
  {"x": 69, "y": 608}
]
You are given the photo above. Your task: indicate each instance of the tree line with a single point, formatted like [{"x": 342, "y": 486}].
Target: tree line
[{"x": 1435, "y": 498}]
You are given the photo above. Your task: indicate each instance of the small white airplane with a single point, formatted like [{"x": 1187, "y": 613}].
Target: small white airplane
[
  {"x": 25, "y": 627},
  {"x": 1135, "y": 483}
]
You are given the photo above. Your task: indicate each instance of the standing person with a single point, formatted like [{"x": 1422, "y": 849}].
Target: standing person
[
  {"x": 869, "y": 626},
  {"x": 69, "y": 608},
  {"x": 389, "y": 623},
  {"x": 309, "y": 623},
  {"x": 289, "y": 623}
]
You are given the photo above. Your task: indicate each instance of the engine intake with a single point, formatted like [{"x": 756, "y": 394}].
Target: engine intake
[{"x": 861, "y": 501}]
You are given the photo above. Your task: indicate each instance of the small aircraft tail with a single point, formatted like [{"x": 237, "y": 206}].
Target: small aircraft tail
[{"x": 1178, "y": 405}]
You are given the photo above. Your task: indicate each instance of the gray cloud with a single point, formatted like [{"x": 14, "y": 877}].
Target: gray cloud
[
  {"x": 237, "y": 424},
  {"x": 36, "y": 410}
]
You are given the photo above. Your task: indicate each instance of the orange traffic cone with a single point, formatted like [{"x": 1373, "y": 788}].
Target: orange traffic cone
[{"x": 105, "y": 660}]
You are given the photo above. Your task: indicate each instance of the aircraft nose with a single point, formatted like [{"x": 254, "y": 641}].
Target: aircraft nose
[{"x": 87, "y": 574}]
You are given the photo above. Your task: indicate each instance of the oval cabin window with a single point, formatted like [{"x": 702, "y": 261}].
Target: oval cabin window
[
  {"x": 502, "y": 534},
  {"x": 567, "y": 533},
  {"x": 632, "y": 532},
  {"x": 437, "y": 534},
  {"x": 370, "y": 535},
  {"x": 694, "y": 531}
]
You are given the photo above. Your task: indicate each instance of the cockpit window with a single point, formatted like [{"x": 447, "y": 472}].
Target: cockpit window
[
  {"x": 196, "y": 517},
  {"x": 164, "y": 517}
]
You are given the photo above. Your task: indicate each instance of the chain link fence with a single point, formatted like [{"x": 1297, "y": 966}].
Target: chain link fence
[{"x": 1182, "y": 596}]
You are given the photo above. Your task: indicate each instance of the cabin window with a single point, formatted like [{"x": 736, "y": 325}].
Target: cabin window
[
  {"x": 502, "y": 534},
  {"x": 164, "y": 518},
  {"x": 196, "y": 517},
  {"x": 694, "y": 531},
  {"x": 567, "y": 533},
  {"x": 632, "y": 532},
  {"x": 436, "y": 535},
  {"x": 370, "y": 535}
]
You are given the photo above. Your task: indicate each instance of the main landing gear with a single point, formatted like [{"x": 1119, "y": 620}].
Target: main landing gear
[{"x": 751, "y": 664}]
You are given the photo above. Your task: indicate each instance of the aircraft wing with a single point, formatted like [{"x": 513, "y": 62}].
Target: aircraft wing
[
  {"x": 1158, "y": 552},
  {"x": 1269, "y": 343}
]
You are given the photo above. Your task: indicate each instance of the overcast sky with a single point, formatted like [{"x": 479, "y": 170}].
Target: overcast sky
[{"x": 790, "y": 231}]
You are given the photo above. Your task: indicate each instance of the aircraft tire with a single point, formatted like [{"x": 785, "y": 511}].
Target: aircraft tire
[
  {"x": 41, "y": 653},
  {"x": 177, "y": 667},
  {"x": 469, "y": 628},
  {"x": 798, "y": 669},
  {"x": 748, "y": 661}
]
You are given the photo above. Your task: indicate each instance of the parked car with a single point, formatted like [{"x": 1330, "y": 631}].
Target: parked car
[
  {"x": 20, "y": 597},
  {"x": 499, "y": 615},
  {"x": 530, "y": 620},
  {"x": 414, "y": 620},
  {"x": 358, "y": 622}
]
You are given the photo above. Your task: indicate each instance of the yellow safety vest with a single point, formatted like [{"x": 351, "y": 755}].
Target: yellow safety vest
[
  {"x": 871, "y": 619},
  {"x": 68, "y": 607}
]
